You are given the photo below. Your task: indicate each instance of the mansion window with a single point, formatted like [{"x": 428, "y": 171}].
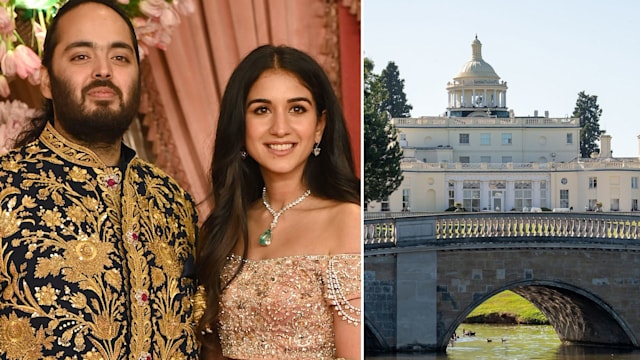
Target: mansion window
[
  {"x": 485, "y": 139},
  {"x": 569, "y": 138},
  {"x": 634, "y": 204},
  {"x": 615, "y": 204},
  {"x": 634, "y": 182},
  {"x": 507, "y": 139},
  {"x": 471, "y": 195},
  {"x": 406, "y": 199},
  {"x": 384, "y": 205},
  {"x": 507, "y": 159},
  {"x": 564, "y": 198},
  {"x": 452, "y": 193},
  {"x": 465, "y": 159},
  {"x": 593, "y": 182},
  {"x": 543, "y": 194},
  {"x": 592, "y": 204},
  {"x": 485, "y": 159},
  {"x": 522, "y": 196},
  {"x": 464, "y": 139}
]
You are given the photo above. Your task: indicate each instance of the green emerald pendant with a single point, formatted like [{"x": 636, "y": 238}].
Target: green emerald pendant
[{"x": 265, "y": 238}]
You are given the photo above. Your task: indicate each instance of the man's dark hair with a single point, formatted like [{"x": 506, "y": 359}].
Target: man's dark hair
[{"x": 37, "y": 124}]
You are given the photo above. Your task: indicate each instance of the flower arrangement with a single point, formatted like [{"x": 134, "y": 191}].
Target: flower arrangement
[
  {"x": 23, "y": 26},
  {"x": 14, "y": 115}
]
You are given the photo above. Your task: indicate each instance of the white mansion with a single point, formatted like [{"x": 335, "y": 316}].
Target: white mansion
[{"x": 480, "y": 156}]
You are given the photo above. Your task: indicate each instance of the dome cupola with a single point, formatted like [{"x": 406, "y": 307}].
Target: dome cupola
[
  {"x": 477, "y": 67},
  {"x": 477, "y": 91}
]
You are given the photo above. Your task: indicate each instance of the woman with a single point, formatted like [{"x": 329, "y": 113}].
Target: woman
[{"x": 280, "y": 254}]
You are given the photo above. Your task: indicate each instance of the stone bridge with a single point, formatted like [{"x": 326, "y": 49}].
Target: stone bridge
[{"x": 423, "y": 274}]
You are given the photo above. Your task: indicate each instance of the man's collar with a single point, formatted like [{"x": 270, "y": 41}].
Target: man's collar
[{"x": 79, "y": 154}]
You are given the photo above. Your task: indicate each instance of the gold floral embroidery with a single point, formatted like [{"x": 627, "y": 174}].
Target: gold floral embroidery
[
  {"x": 92, "y": 259},
  {"x": 19, "y": 341},
  {"x": 46, "y": 295}
]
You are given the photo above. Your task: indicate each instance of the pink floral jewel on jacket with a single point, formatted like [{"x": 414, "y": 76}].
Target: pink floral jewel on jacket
[
  {"x": 142, "y": 296},
  {"x": 131, "y": 237},
  {"x": 112, "y": 181}
]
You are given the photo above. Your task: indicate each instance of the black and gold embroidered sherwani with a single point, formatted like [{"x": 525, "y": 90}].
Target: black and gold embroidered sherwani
[{"x": 96, "y": 262}]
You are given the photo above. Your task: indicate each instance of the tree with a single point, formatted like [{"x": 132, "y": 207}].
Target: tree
[
  {"x": 396, "y": 104},
  {"x": 382, "y": 152},
  {"x": 589, "y": 112}
]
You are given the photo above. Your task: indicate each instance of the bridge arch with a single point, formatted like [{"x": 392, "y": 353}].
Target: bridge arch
[
  {"x": 424, "y": 273},
  {"x": 578, "y": 316},
  {"x": 373, "y": 338}
]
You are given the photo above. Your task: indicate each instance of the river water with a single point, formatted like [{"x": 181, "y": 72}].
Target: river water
[{"x": 514, "y": 342}]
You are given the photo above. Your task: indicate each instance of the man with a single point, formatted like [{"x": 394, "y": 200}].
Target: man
[{"x": 97, "y": 245}]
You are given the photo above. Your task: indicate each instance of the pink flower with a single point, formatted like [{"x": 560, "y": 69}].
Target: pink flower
[
  {"x": 26, "y": 61},
  {"x": 185, "y": 7},
  {"x": 8, "y": 63},
  {"x": 152, "y": 33},
  {"x": 34, "y": 77},
  {"x": 4, "y": 86},
  {"x": 169, "y": 17},
  {"x": 39, "y": 33},
  {"x": 7, "y": 25},
  {"x": 152, "y": 8},
  {"x": 14, "y": 117}
]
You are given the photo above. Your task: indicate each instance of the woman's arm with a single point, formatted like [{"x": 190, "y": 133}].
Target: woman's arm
[
  {"x": 347, "y": 290},
  {"x": 348, "y": 336}
]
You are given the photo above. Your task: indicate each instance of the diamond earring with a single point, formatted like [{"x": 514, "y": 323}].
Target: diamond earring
[
  {"x": 316, "y": 149},
  {"x": 243, "y": 154}
]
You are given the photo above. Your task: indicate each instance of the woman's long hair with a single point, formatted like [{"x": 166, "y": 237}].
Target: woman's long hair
[{"x": 237, "y": 182}]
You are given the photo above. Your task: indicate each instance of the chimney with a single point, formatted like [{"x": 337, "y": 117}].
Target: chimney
[
  {"x": 546, "y": 113},
  {"x": 605, "y": 146},
  {"x": 535, "y": 113}
]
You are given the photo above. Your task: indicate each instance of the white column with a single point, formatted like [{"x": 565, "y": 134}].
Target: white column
[
  {"x": 458, "y": 195},
  {"x": 510, "y": 195},
  {"x": 485, "y": 195},
  {"x": 535, "y": 193}
]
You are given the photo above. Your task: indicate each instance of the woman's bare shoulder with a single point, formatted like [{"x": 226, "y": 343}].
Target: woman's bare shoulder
[{"x": 346, "y": 224}]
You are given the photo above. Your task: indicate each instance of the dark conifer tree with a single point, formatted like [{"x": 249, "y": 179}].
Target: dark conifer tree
[
  {"x": 382, "y": 152},
  {"x": 396, "y": 104},
  {"x": 589, "y": 112}
]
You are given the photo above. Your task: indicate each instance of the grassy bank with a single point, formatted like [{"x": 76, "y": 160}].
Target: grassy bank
[{"x": 507, "y": 307}]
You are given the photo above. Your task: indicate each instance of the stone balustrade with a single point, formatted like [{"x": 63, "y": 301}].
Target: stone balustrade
[
  {"x": 484, "y": 121},
  {"x": 534, "y": 167},
  {"x": 381, "y": 229}
]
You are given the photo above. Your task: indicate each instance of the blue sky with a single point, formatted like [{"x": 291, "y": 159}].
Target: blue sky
[{"x": 546, "y": 51}]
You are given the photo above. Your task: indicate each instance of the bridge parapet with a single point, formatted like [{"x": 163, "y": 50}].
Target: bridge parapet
[{"x": 441, "y": 229}]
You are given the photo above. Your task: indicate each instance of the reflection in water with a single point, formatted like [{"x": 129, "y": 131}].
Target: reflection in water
[{"x": 511, "y": 342}]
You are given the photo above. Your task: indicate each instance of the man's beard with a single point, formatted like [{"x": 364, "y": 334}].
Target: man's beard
[{"x": 102, "y": 125}]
